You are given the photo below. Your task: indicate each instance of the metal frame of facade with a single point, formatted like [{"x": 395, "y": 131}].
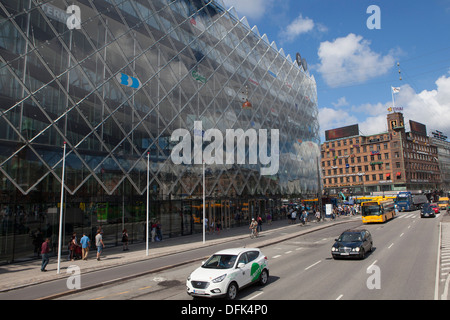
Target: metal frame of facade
[{"x": 59, "y": 85}]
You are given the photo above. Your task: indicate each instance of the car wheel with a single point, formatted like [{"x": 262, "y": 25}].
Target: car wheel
[
  {"x": 264, "y": 278},
  {"x": 232, "y": 291},
  {"x": 363, "y": 254}
]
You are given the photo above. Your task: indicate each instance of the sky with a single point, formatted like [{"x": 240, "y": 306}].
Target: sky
[{"x": 358, "y": 52}]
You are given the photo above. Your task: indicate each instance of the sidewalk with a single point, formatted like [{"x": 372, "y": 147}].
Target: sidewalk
[{"x": 24, "y": 274}]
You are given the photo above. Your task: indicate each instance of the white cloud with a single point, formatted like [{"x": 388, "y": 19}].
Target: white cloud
[
  {"x": 300, "y": 26},
  {"x": 431, "y": 108},
  {"x": 350, "y": 60},
  {"x": 342, "y": 102},
  {"x": 252, "y": 9}
]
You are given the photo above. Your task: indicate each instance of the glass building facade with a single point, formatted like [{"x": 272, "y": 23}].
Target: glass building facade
[{"x": 113, "y": 79}]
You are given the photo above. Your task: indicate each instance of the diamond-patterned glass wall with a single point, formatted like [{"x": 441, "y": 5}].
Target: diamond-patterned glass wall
[{"x": 192, "y": 60}]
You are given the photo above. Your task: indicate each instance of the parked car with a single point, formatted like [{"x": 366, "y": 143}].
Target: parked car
[
  {"x": 427, "y": 211},
  {"x": 228, "y": 271},
  {"x": 352, "y": 244}
]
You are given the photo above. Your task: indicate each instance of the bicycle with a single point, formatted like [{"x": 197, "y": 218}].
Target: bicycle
[{"x": 253, "y": 233}]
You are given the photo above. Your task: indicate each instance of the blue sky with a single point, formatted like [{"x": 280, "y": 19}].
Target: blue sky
[{"x": 355, "y": 66}]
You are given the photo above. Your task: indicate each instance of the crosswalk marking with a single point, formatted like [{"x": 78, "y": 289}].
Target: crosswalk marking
[{"x": 407, "y": 216}]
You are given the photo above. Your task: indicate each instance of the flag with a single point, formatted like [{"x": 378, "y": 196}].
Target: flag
[{"x": 395, "y": 90}]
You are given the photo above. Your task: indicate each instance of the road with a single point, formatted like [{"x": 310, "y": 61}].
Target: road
[{"x": 402, "y": 266}]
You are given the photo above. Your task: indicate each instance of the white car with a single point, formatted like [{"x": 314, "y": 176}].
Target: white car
[{"x": 228, "y": 271}]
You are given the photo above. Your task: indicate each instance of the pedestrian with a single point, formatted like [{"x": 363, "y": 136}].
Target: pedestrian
[
  {"x": 269, "y": 219},
  {"x": 259, "y": 220},
  {"x": 153, "y": 232},
  {"x": 211, "y": 226},
  {"x": 99, "y": 243},
  {"x": 304, "y": 217},
  {"x": 318, "y": 216},
  {"x": 158, "y": 231},
  {"x": 85, "y": 244},
  {"x": 73, "y": 246},
  {"x": 125, "y": 239},
  {"x": 294, "y": 216},
  {"x": 205, "y": 224},
  {"x": 218, "y": 226},
  {"x": 45, "y": 249}
]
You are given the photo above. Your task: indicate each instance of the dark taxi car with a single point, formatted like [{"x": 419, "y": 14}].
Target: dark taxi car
[
  {"x": 427, "y": 211},
  {"x": 352, "y": 244}
]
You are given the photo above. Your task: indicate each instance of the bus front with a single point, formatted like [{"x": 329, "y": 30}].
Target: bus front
[{"x": 371, "y": 212}]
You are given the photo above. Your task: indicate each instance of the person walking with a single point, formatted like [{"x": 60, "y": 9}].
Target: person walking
[
  {"x": 253, "y": 227},
  {"x": 45, "y": 249},
  {"x": 85, "y": 244},
  {"x": 73, "y": 246},
  {"x": 125, "y": 239},
  {"x": 318, "y": 216},
  {"x": 259, "y": 220},
  {"x": 218, "y": 226},
  {"x": 158, "y": 230},
  {"x": 269, "y": 218},
  {"x": 99, "y": 243}
]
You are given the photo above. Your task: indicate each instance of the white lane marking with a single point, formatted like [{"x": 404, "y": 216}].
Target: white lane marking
[
  {"x": 390, "y": 246},
  {"x": 372, "y": 264},
  {"x": 339, "y": 298},
  {"x": 256, "y": 295},
  {"x": 313, "y": 265},
  {"x": 276, "y": 257}
]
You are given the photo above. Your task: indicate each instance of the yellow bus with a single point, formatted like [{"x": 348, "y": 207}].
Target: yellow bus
[{"x": 377, "y": 211}]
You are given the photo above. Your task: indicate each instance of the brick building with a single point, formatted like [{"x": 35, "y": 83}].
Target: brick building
[{"x": 387, "y": 162}]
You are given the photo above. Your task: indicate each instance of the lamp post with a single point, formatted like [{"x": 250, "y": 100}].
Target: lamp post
[
  {"x": 61, "y": 209},
  {"x": 148, "y": 203}
]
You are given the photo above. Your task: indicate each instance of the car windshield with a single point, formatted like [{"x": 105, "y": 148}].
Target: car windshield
[
  {"x": 350, "y": 237},
  {"x": 223, "y": 261}
]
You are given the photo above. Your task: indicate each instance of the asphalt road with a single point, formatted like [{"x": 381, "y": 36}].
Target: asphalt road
[{"x": 401, "y": 267}]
